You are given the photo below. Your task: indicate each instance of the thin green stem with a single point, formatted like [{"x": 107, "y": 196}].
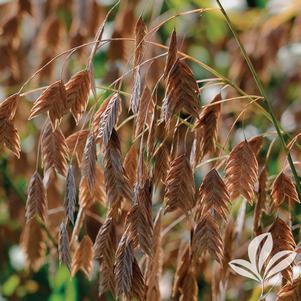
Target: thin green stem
[{"x": 266, "y": 103}]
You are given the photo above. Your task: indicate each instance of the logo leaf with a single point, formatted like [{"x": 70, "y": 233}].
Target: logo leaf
[
  {"x": 245, "y": 268},
  {"x": 272, "y": 270}
]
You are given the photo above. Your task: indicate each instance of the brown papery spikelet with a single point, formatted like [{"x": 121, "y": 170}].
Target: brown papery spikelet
[
  {"x": 54, "y": 149},
  {"x": 104, "y": 251},
  {"x": 8, "y": 107},
  {"x": 154, "y": 263},
  {"x": 183, "y": 263},
  {"x": 64, "y": 248},
  {"x": 145, "y": 111},
  {"x": 207, "y": 237},
  {"x": 180, "y": 185},
  {"x": 117, "y": 184},
  {"x": 161, "y": 165},
  {"x": 283, "y": 241},
  {"x": 172, "y": 53},
  {"x": 283, "y": 190},
  {"x": 33, "y": 244},
  {"x": 78, "y": 89},
  {"x": 261, "y": 199},
  {"x": 70, "y": 194},
  {"x": 140, "y": 31},
  {"x": 190, "y": 287},
  {"x": 83, "y": 257},
  {"x": 86, "y": 198},
  {"x": 242, "y": 172},
  {"x": 36, "y": 204},
  {"x": 138, "y": 286},
  {"x": 207, "y": 125},
  {"x": 181, "y": 92},
  {"x": 140, "y": 218},
  {"x": 89, "y": 162},
  {"x": 77, "y": 142},
  {"x": 290, "y": 291},
  {"x": 123, "y": 270},
  {"x": 108, "y": 119},
  {"x": 256, "y": 144},
  {"x": 25, "y": 6},
  {"x": 130, "y": 164},
  {"x": 213, "y": 197},
  {"x": 9, "y": 136},
  {"x": 54, "y": 101},
  {"x": 98, "y": 115}
]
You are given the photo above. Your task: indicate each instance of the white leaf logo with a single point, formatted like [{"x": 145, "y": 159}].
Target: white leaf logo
[{"x": 259, "y": 251}]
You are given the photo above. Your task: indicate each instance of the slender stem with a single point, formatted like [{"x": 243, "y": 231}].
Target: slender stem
[{"x": 266, "y": 102}]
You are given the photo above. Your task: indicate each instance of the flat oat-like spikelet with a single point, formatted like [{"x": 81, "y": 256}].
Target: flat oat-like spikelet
[
  {"x": 8, "y": 107},
  {"x": 123, "y": 270},
  {"x": 180, "y": 185},
  {"x": 154, "y": 263},
  {"x": 138, "y": 286},
  {"x": 9, "y": 136},
  {"x": 99, "y": 115},
  {"x": 283, "y": 190},
  {"x": 104, "y": 251},
  {"x": 161, "y": 164},
  {"x": 213, "y": 197},
  {"x": 86, "y": 198},
  {"x": 54, "y": 149},
  {"x": 207, "y": 125},
  {"x": 116, "y": 181},
  {"x": 36, "y": 199},
  {"x": 261, "y": 199},
  {"x": 140, "y": 218},
  {"x": 33, "y": 244},
  {"x": 172, "y": 53},
  {"x": 256, "y": 144},
  {"x": 242, "y": 172},
  {"x": 182, "y": 92},
  {"x": 283, "y": 241},
  {"x": 140, "y": 31},
  {"x": 53, "y": 100},
  {"x": 78, "y": 89},
  {"x": 64, "y": 248},
  {"x": 70, "y": 194},
  {"x": 130, "y": 164},
  {"x": 290, "y": 291},
  {"x": 83, "y": 257},
  {"x": 89, "y": 161},
  {"x": 145, "y": 111},
  {"x": 77, "y": 142},
  {"x": 108, "y": 119},
  {"x": 207, "y": 237}
]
